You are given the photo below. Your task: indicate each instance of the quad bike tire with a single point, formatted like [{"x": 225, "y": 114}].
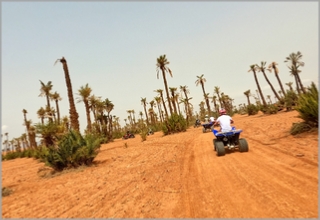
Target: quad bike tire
[
  {"x": 221, "y": 151},
  {"x": 203, "y": 130},
  {"x": 243, "y": 145},
  {"x": 214, "y": 144}
]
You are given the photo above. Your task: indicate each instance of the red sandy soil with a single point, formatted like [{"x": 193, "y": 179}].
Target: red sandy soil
[{"x": 178, "y": 176}]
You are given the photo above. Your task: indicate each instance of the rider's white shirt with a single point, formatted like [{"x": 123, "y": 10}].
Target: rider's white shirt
[{"x": 225, "y": 122}]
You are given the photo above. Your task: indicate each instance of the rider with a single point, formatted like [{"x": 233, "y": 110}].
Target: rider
[
  {"x": 224, "y": 120},
  {"x": 211, "y": 119},
  {"x": 206, "y": 119}
]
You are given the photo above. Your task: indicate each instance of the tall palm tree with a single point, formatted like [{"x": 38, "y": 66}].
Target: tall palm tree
[
  {"x": 173, "y": 100},
  {"x": 74, "y": 117},
  {"x": 93, "y": 100},
  {"x": 26, "y": 123},
  {"x": 41, "y": 114},
  {"x": 7, "y": 141},
  {"x": 295, "y": 61},
  {"x": 160, "y": 91},
  {"x": 273, "y": 66},
  {"x": 253, "y": 68},
  {"x": 84, "y": 92},
  {"x": 201, "y": 80},
  {"x": 144, "y": 103},
  {"x": 130, "y": 117},
  {"x": 162, "y": 63},
  {"x": 45, "y": 91},
  {"x": 56, "y": 97},
  {"x": 214, "y": 100},
  {"x": 134, "y": 117},
  {"x": 109, "y": 106},
  {"x": 262, "y": 69},
  {"x": 247, "y": 94},
  {"x": 216, "y": 90},
  {"x": 158, "y": 101},
  {"x": 186, "y": 91}
]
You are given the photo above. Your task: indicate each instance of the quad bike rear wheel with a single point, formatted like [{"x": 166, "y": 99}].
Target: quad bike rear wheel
[
  {"x": 220, "y": 148},
  {"x": 243, "y": 145},
  {"x": 214, "y": 144}
]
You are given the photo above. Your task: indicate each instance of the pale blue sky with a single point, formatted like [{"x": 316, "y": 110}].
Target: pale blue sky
[{"x": 113, "y": 46}]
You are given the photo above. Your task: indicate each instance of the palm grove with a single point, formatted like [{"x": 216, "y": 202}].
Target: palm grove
[{"x": 169, "y": 111}]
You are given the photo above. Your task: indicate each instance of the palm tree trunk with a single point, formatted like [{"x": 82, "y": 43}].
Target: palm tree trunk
[
  {"x": 259, "y": 89},
  {"x": 72, "y": 111},
  {"x": 300, "y": 83},
  {"x": 164, "y": 105},
  {"x": 167, "y": 91},
  {"x": 145, "y": 112},
  {"x": 58, "y": 111},
  {"x": 206, "y": 98},
  {"x": 88, "y": 115},
  {"x": 279, "y": 81},
  {"x": 273, "y": 90}
]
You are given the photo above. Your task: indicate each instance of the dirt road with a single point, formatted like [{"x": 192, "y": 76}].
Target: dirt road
[{"x": 178, "y": 176}]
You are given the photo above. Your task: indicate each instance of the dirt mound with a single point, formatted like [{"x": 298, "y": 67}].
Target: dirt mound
[{"x": 178, "y": 176}]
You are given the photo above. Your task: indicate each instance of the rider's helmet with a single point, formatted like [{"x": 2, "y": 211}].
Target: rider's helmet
[
  {"x": 222, "y": 111},
  {"x": 206, "y": 116}
]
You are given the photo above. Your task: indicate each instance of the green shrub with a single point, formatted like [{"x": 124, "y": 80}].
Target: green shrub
[
  {"x": 290, "y": 99},
  {"x": 307, "y": 106},
  {"x": 144, "y": 134},
  {"x": 271, "y": 109},
  {"x": 252, "y": 109},
  {"x": 298, "y": 128},
  {"x": 175, "y": 124},
  {"x": 11, "y": 155},
  {"x": 73, "y": 151}
]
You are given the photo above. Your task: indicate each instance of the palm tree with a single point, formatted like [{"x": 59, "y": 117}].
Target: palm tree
[
  {"x": 172, "y": 91},
  {"x": 7, "y": 141},
  {"x": 144, "y": 103},
  {"x": 26, "y": 122},
  {"x": 217, "y": 91},
  {"x": 45, "y": 91},
  {"x": 262, "y": 69},
  {"x": 295, "y": 61},
  {"x": 253, "y": 68},
  {"x": 109, "y": 106},
  {"x": 247, "y": 94},
  {"x": 160, "y": 91},
  {"x": 201, "y": 80},
  {"x": 84, "y": 92},
  {"x": 290, "y": 85},
  {"x": 162, "y": 63},
  {"x": 130, "y": 117},
  {"x": 269, "y": 97},
  {"x": 186, "y": 91},
  {"x": 158, "y": 101},
  {"x": 214, "y": 100},
  {"x": 93, "y": 100},
  {"x": 134, "y": 117},
  {"x": 56, "y": 97},
  {"x": 273, "y": 66},
  {"x": 72, "y": 111},
  {"x": 41, "y": 114}
]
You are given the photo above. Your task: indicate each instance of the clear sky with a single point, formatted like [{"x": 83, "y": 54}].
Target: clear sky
[{"x": 113, "y": 46}]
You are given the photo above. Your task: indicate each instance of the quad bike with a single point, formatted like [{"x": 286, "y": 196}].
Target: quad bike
[
  {"x": 207, "y": 126},
  {"x": 150, "y": 132},
  {"x": 128, "y": 135},
  {"x": 229, "y": 140},
  {"x": 197, "y": 123}
]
